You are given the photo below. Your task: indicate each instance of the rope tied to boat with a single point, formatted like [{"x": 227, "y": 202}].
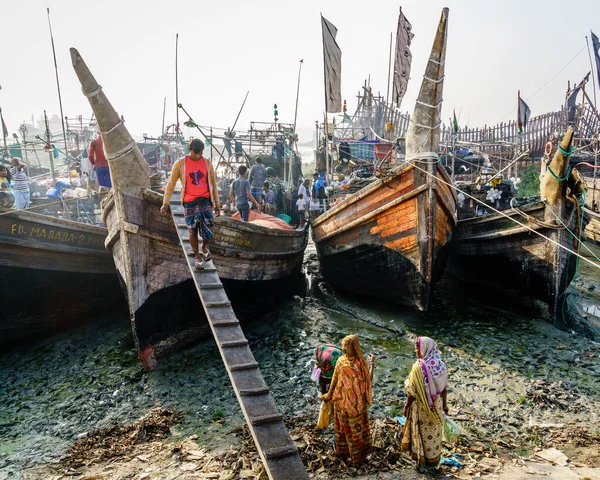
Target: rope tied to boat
[
  {"x": 426, "y": 126},
  {"x": 121, "y": 153},
  {"x": 117, "y": 125},
  {"x": 564, "y": 152},
  {"x": 436, "y": 62},
  {"x": 441, "y": 79},
  {"x": 558, "y": 179},
  {"x": 424, "y": 157},
  {"x": 534, "y": 220},
  {"x": 93, "y": 93},
  {"x": 437, "y": 105}
]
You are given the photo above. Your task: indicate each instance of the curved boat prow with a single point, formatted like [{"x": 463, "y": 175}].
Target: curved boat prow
[
  {"x": 551, "y": 189},
  {"x": 423, "y": 136},
  {"x": 128, "y": 168}
]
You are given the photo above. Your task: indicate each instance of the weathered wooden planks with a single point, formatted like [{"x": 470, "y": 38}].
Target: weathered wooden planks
[
  {"x": 277, "y": 450},
  {"x": 394, "y": 250},
  {"x": 592, "y": 231}
]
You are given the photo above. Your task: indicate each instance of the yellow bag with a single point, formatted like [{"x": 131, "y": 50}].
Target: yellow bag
[{"x": 325, "y": 413}]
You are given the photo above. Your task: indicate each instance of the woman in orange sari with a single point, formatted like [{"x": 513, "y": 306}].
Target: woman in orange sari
[
  {"x": 426, "y": 406},
  {"x": 351, "y": 394}
]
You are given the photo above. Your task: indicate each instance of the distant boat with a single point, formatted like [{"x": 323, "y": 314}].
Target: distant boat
[
  {"x": 163, "y": 304},
  {"x": 391, "y": 239},
  {"x": 53, "y": 273},
  {"x": 592, "y": 230},
  {"x": 493, "y": 249}
]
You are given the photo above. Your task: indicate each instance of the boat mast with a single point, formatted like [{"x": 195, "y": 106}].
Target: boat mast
[
  {"x": 62, "y": 117},
  {"x": 176, "y": 88},
  {"x": 387, "y": 96},
  {"x": 49, "y": 143}
]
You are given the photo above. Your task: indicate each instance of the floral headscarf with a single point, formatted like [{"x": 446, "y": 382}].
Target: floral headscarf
[{"x": 434, "y": 369}]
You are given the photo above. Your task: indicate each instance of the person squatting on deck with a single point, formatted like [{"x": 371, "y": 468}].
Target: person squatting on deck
[
  {"x": 199, "y": 194},
  {"x": 351, "y": 393},
  {"x": 425, "y": 406},
  {"x": 7, "y": 199},
  {"x": 270, "y": 205},
  {"x": 20, "y": 185},
  {"x": 240, "y": 194},
  {"x": 257, "y": 177},
  {"x": 99, "y": 162}
]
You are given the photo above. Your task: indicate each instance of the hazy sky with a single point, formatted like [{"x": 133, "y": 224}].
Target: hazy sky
[{"x": 229, "y": 47}]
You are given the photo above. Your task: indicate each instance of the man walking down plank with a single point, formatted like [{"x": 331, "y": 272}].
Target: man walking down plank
[{"x": 199, "y": 194}]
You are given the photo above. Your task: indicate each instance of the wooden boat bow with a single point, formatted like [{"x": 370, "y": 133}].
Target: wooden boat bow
[{"x": 128, "y": 168}]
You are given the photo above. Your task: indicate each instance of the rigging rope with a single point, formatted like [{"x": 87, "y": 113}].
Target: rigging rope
[{"x": 597, "y": 265}]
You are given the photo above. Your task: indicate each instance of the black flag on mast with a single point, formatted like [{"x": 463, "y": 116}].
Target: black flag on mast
[
  {"x": 332, "y": 62},
  {"x": 524, "y": 112},
  {"x": 403, "y": 59},
  {"x": 596, "y": 45}
]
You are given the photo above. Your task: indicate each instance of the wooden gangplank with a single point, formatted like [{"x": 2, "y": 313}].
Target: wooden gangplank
[{"x": 278, "y": 452}]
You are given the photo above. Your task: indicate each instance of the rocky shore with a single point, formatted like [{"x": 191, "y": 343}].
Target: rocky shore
[{"x": 525, "y": 394}]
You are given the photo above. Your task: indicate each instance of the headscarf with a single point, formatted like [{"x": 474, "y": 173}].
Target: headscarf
[
  {"x": 434, "y": 369},
  {"x": 353, "y": 392}
]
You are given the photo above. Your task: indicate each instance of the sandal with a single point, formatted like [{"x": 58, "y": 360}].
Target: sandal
[
  {"x": 206, "y": 256},
  {"x": 199, "y": 265}
]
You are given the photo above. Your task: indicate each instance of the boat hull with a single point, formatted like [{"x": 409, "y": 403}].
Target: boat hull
[
  {"x": 495, "y": 251},
  {"x": 54, "y": 273},
  {"x": 164, "y": 305},
  {"x": 390, "y": 239}
]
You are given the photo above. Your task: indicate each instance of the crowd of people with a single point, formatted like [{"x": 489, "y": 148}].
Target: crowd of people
[{"x": 345, "y": 378}]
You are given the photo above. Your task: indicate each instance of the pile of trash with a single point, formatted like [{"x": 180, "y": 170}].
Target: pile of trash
[
  {"x": 552, "y": 395},
  {"x": 119, "y": 440}
]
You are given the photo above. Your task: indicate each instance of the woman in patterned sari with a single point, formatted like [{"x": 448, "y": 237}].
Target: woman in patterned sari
[
  {"x": 425, "y": 406},
  {"x": 351, "y": 394}
]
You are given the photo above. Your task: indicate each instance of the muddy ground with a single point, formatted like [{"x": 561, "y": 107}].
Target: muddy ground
[{"x": 518, "y": 388}]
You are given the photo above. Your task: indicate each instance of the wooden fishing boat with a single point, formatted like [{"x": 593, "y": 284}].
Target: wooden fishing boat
[
  {"x": 391, "y": 239},
  {"x": 143, "y": 245},
  {"x": 523, "y": 250},
  {"x": 53, "y": 273},
  {"x": 164, "y": 307}
]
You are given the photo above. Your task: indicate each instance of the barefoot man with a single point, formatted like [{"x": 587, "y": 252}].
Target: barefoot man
[{"x": 200, "y": 196}]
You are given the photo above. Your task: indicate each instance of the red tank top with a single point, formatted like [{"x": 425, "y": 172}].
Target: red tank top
[{"x": 196, "y": 180}]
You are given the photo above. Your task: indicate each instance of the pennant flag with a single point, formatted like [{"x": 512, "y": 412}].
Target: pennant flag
[
  {"x": 596, "y": 45},
  {"x": 403, "y": 59},
  {"x": 572, "y": 104},
  {"x": 456, "y": 128},
  {"x": 347, "y": 118},
  {"x": 332, "y": 60},
  {"x": 523, "y": 115}
]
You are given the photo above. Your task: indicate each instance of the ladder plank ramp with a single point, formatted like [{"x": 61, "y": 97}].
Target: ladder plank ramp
[{"x": 278, "y": 452}]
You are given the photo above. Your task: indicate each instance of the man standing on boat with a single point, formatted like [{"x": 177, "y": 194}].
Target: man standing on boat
[
  {"x": 258, "y": 175},
  {"x": 200, "y": 195},
  {"x": 99, "y": 162},
  {"x": 270, "y": 205},
  {"x": 240, "y": 195},
  {"x": 20, "y": 184}
]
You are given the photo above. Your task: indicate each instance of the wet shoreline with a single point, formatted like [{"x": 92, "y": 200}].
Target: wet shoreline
[{"x": 56, "y": 390}]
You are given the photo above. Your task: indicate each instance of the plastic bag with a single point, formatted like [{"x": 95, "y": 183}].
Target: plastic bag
[
  {"x": 451, "y": 430},
  {"x": 325, "y": 413},
  {"x": 316, "y": 374}
]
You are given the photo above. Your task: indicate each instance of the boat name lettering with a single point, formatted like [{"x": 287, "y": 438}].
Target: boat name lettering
[
  {"x": 56, "y": 235},
  {"x": 237, "y": 240}
]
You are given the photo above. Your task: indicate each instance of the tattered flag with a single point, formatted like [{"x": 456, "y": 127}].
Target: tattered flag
[
  {"x": 332, "y": 60},
  {"x": 403, "y": 59},
  {"x": 596, "y": 46},
  {"x": 523, "y": 116}
]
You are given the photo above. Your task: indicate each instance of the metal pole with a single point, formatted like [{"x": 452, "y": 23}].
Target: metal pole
[
  {"x": 176, "y": 87},
  {"x": 3, "y": 136},
  {"x": 50, "y": 153},
  {"x": 62, "y": 117},
  {"x": 387, "y": 96},
  {"x": 23, "y": 129},
  {"x": 297, "y": 94},
  {"x": 592, "y": 68}
]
